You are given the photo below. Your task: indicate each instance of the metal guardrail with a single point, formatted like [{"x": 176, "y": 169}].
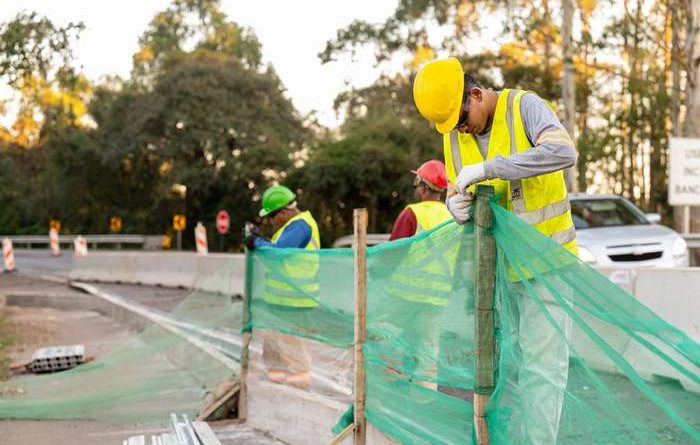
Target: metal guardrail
[
  {"x": 693, "y": 240},
  {"x": 372, "y": 239},
  {"x": 149, "y": 242}
]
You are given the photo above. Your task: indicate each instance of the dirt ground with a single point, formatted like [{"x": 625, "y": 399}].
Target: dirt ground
[{"x": 33, "y": 328}]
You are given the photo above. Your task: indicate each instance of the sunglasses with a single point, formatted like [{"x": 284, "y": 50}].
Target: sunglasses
[{"x": 464, "y": 114}]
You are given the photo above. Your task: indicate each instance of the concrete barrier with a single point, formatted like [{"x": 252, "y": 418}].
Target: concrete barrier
[
  {"x": 223, "y": 273},
  {"x": 299, "y": 417},
  {"x": 673, "y": 295}
]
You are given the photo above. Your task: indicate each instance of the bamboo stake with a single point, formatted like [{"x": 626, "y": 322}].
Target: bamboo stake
[
  {"x": 484, "y": 326},
  {"x": 360, "y": 248}
]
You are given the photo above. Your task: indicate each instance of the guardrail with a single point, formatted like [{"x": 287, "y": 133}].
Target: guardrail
[
  {"x": 145, "y": 242},
  {"x": 372, "y": 239},
  {"x": 693, "y": 240}
]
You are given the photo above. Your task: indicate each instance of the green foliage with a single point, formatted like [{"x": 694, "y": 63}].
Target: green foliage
[
  {"x": 33, "y": 47},
  {"x": 382, "y": 140},
  {"x": 210, "y": 124},
  {"x": 191, "y": 25}
]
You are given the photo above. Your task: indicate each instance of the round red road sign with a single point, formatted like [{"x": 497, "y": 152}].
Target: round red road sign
[{"x": 222, "y": 221}]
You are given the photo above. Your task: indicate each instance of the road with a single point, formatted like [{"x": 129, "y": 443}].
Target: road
[
  {"x": 37, "y": 262},
  {"x": 104, "y": 333}
]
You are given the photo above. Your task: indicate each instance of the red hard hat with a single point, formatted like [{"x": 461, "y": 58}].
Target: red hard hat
[{"x": 433, "y": 172}]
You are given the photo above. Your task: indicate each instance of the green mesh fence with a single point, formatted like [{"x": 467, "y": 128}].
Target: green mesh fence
[
  {"x": 579, "y": 361},
  {"x": 168, "y": 367}
]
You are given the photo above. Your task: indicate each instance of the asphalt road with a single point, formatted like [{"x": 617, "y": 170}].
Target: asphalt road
[{"x": 37, "y": 262}]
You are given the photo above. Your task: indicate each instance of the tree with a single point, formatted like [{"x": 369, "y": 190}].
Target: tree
[
  {"x": 35, "y": 59},
  {"x": 191, "y": 25},
  {"x": 211, "y": 134},
  {"x": 369, "y": 164}
]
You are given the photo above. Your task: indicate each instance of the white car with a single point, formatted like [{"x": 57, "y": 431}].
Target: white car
[{"x": 613, "y": 232}]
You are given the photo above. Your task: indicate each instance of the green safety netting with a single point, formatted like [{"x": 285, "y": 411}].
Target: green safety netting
[
  {"x": 170, "y": 366},
  {"x": 579, "y": 361}
]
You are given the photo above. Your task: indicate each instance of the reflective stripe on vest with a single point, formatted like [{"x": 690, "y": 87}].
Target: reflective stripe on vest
[
  {"x": 294, "y": 281},
  {"x": 425, "y": 274},
  {"x": 552, "y": 216},
  {"x": 429, "y": 214}
]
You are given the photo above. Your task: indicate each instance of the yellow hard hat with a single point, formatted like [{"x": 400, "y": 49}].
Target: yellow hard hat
[{"x": 438, "y": 91}]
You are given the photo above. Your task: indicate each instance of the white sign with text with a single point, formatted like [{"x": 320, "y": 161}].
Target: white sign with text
[{"x": 684, "y": 172}]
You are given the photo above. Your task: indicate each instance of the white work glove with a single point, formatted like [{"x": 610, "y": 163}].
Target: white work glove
[
  {"x": 460, "y": 206},
  {"x": 470, "y": 174}
]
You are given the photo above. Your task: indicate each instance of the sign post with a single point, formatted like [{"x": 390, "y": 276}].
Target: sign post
[
  {"x": 223, "y": 223},
  {"x": 179, "y": 224},
  {"x": 684, "y": 176}
]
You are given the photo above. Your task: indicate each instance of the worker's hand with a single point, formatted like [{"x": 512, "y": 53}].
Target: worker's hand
[
  {"x": 460, "y": 206},
  {"x": 249, "y": 241},
  {"x": 470, "y": 174},
  {"x": 252, "y": 229}
]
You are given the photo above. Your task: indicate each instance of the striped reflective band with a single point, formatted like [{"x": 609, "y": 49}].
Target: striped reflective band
[
  {"x": 456, "y": 154},
  {"x": 517, "y": 197},
  {"x": 564, "y": 236},
  {"x": 547, "y": 212}
]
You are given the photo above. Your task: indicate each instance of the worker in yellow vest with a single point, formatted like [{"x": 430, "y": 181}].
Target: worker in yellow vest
[
  {"x": 512, "y": 140},
  {"x": 430, "y": 211},
  {"x": 291, "y": 289}
]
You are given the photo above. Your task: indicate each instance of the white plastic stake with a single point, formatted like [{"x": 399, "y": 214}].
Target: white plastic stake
[
  {"x": 53, "y": 242},
  {"x": 80, "y": 246},
  {"x": 8, "y": 255},
  {"x": 200, "y": 238}
]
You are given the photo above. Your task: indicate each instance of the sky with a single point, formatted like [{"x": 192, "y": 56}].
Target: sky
[{"x": 292, "y": 33}]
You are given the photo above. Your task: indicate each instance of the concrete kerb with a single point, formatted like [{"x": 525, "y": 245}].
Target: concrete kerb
[
  {"x": 299, "y": 417},
  {"x": 222, "y": 273}
]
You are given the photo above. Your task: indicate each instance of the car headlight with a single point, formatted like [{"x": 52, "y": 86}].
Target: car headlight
[
  {"x": 680, "y": 247},
  {"x": 585, "y": 255}
]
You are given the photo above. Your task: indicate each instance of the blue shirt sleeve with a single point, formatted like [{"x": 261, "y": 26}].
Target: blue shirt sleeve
[{"x": 297, "y": 234}]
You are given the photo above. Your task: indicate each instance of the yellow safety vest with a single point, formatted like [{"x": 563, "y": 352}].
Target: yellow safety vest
[
  {"x": 542, "y": 200},
  {"x": 426, "y": 272},
  {"x": 429, "y": 214},
  {"x": 294, "y": 281}
]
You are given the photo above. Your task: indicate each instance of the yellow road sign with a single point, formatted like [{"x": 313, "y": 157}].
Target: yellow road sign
[
  {"x": 55, "y": 224},
  {"x": 167, "y": 241},
  {"x": 179, "y": 222},
  {"x": 115, "y": 224}
]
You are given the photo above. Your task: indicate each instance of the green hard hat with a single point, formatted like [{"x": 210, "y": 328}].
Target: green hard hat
[{"x": 275, "y": 198}]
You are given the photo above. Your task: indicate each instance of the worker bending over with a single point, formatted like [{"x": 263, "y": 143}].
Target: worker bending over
[{"x": 512, "y": 140}]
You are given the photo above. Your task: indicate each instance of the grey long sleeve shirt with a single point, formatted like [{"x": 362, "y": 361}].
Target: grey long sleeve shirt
[{"x": 552, "y": 148}]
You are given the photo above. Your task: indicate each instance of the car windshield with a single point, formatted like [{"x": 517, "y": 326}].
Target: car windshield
[{"x": 589, "y": 213}]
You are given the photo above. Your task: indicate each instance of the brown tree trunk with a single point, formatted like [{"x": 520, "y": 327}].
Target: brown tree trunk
[{"x": 568, "y": 85}]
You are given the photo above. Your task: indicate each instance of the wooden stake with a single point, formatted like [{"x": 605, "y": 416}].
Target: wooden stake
[
  {"x": 343, "y": 434},
  {"x": 360, "y": 248},
  {"x": 221, "y": 401},
  {"x": 245, "y": 348},
  {"x": 484, "y": 326}
]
